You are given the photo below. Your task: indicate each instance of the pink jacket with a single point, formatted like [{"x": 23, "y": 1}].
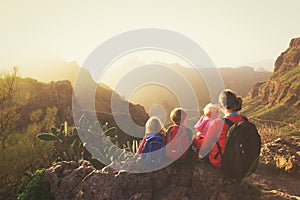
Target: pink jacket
[{"x": 202, "y": 125}]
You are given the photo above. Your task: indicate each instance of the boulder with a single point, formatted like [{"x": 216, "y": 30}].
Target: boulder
[
  {"x": 197, "y": 180},
  {"x": 283, "y": 155},
  {"x": 194, "y": 180}
]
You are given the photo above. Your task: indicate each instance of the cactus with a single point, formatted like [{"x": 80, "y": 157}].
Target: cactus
[
  {"x": 110, "y": 131},
  {"x": 128, "y": 146},
  {"x": 47, "y": 137},
  {"x": 54, "y": 131},
  {"x": 68, "y": 146},
  {"x": 132, "y": 147},
  {"x": 122, "y": 155}
]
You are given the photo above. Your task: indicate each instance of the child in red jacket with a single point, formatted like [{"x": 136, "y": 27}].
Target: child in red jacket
[{"x": 178, "y": 136}]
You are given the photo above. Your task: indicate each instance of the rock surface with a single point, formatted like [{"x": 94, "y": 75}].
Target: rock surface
[
  {"x": 283, "y": 155},
  {"x": 290, "y": 57},
  {"x": 198, "y": 180}
]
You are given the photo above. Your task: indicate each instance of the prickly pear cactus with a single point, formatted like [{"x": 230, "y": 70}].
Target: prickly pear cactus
[
  {"x": 66, "y": 144},
  {"x": 98, "y": 144}
]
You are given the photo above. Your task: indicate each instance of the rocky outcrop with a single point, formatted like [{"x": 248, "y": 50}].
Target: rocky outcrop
[
  {"x": 71, "y": 180},
  {"x": 289, "y": 58},
  {"x": 295, "y": 43},
  {"x": 198, "y": 180},
  {"x": 278, "y": 98},
  {"x": 274, "y": 92},
  {"x": 65, "y": 177},
  {"x": 283, "y": 155}
]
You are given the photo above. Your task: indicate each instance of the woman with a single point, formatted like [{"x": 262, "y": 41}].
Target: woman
[{"x": 216, "y": 136}]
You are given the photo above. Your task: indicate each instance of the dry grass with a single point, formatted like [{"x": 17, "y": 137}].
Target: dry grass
[{"x": 269, "y": 133}]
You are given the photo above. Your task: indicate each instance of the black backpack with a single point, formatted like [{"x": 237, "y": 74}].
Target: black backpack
[{"x": 242, "y": 149}]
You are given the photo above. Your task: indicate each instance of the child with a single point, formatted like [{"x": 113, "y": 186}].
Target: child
[
  {"x": 154, "y": 127},
  {"x": 211, "y": 112},
  {"x": 152, "y": 145},
  {"x": 178, "y": 137}
]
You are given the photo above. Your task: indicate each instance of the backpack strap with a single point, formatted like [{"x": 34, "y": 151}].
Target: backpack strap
[
  {"x": 157, "y": 136},
  {"x": 245, "y": 119},
  {"x": 147, "y": 144},
  {"x": 219, "y": 151},
  {"x": 181, "y": 136},
  {"x": 189, "y": 132},
  {"x": 228, "y": 121},
  {"x": 169, "y": 137}
]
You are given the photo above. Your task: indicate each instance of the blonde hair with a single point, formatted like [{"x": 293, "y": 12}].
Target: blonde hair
[
  {"x": 209, "y": 109},
  {"x": 154, "y": 126},
  {"x": 178, "y": 115}
]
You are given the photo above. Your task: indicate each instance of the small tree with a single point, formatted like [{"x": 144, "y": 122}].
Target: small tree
[{"x": 10, "y": 105}]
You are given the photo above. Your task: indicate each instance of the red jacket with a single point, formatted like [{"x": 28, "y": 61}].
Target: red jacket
[
  {"x": 216, "y": 132},
  {"x": 139, "y": 151},
  {"x": 176, "y": 147}
]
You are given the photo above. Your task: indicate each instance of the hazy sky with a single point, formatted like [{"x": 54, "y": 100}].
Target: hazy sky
[{"x": 232, "y": 32}]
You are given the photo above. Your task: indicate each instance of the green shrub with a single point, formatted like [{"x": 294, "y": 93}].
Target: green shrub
[
  {"x": 38, "y": 188},
  {"x": 23, "y": 155}
]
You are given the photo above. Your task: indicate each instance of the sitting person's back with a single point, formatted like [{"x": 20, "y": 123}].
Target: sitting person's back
[
  {"x": 178, "y": 136},
  {"x": 214, "y": 141},
  {"x": 152, "y": 145}
]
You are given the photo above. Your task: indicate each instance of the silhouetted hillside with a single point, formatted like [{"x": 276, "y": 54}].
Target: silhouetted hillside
[
  {"x": 59, "y": 95},
  {"x": 54, "y": 94}
]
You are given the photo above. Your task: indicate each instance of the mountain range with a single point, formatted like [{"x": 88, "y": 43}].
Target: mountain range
[
  {"x": 146, "y": 95},
  {"x": 241, "y": 80},
  {"x": 273, "y": 96},
  {"x": 59, "y": 94}
]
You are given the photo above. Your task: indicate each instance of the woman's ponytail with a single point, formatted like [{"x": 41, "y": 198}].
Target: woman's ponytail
[{"x": 230, "y": 101}]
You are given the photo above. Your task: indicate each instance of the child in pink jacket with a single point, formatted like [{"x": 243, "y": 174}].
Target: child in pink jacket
[{"x": 211, "y": 112}]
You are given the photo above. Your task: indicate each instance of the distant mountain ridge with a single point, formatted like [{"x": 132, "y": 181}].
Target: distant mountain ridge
[
  {"x": 241, "y": 80},
  {"x": 147, "y": 96}
]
